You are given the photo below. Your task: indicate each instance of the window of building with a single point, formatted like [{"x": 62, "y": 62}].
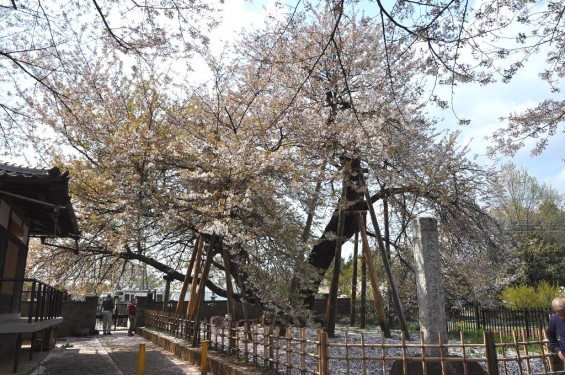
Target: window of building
[{"x": 4, "y": 214}]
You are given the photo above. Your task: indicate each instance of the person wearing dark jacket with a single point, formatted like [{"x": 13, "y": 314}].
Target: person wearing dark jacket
[
  {"x": 107, "y": 308},
  {"x": 556, "y": 330}
]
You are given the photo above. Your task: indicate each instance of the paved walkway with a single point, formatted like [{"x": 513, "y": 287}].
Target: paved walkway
[{"x": 115, "y": 354}]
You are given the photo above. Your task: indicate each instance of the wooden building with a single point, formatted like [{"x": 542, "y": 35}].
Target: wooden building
[{"x": 33, "y": 203}]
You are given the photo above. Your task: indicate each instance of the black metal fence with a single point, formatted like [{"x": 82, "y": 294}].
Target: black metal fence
[
  {"x": 474, "y": 317},
  {"x": 32, "y": 298}
]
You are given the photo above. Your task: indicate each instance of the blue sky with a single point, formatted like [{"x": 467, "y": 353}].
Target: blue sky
[{"x": 484, "y": 105}]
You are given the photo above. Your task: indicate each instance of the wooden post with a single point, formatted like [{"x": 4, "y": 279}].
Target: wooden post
[
  {"x": 490, "y": 352},
  {"x": 363, "y": 292},
  {"x": 378, "y": 300},
  {"x": 386, "y": 264},
  {"x": 197, "y": 247},
  {"x": 323, "y": 353},
  {"x": 331, "y": 306},
  {"x": 204, "y": 358},
  {"x": 18, "y": 349},
  {"x": 354, "y": 281},
  {"x": 271, "y": 345},
  {"x": 242, "y": 298},
  {"x": 199, "y": 296},
  {"x": 229, "y": 286},
  {"x": 387, "y": 248},
  {"x": 167, "y": 293},
  {"x": 195, "y": 281}
]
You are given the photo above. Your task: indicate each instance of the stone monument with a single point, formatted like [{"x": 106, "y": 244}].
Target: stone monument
[{"x": 431, "y": 301}]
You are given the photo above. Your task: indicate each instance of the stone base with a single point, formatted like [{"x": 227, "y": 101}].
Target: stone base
[
  {"x": 217, "y": 363},
  {"x": 434, "y": 368}
]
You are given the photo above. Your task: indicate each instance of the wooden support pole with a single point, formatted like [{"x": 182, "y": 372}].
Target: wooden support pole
[
  {"x": 331, "y": 306},
  {"x": 201, "y": 285},
  {"x": 490, "y": 353},
  {"x": 204, "y": 358},
  {"x": 167, "y": 293},
  {"x": 363, "y": 292},
  {"x": 386, "y": 264},
  {"x": 323, "y": 365},
  {"x": 386, "y": 225},
  {"x": 195, "y": 314},
  {"x": 180, "y": 302},
  {"x": 195, "y": 281},
  {"x": 377, "y": 298},
  {"x": 229, "y": 286},
  {"x": 354, "y": 281}
]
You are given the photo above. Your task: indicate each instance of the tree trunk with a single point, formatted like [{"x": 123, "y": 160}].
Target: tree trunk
[{"x": 323, "y": 252}]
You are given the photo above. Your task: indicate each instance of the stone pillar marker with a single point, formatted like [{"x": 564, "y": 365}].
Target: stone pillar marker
[{"x": 431, "y": 301}]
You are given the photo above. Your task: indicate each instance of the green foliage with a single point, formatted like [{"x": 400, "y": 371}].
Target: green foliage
[
  {"x": 532, "y": 215},
  {"x": 346, "y": 277},
  {"x": 525, "y": 296}
]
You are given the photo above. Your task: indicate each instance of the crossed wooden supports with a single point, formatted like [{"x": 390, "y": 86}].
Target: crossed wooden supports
[
  {"x": 367, "y": 255},
  {"x": 198, "y": 270},
  {"x": 201, "y": 261}
]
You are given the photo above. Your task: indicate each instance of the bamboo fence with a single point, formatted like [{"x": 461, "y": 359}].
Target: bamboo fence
[{"x": 287, "y": 350}]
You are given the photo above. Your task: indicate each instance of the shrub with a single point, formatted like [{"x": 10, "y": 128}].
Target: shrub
[{"x": 524, "y": 296}]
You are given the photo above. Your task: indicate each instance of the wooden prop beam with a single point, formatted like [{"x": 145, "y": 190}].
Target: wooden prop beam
[
  {"x": 363, "y": 293},
  {"x": 377, "y": 297},
  {"x": 195, "y": 280},
  {"x": 331, "y": 307},
  {"x": 197, "y": 246},
  {"x": 229, "y": 286},
  {"x": 354, "y": 281},
  {"x": 199, "y": 297},
  {"x": 382, "y": 251}
]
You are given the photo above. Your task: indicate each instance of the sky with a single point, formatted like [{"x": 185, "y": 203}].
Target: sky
[{"x": 484, "y": 105}]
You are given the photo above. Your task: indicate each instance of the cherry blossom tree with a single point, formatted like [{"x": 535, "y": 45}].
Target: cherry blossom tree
[
  {"x": 317, "y": 84},
  {"x": 484, "y": 42},
  {"x": 152, "y": 173},
  {"x": 45, "y": 42},
  {"x": 258, "y": 157}
]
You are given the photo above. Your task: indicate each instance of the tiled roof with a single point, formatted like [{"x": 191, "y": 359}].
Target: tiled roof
[
  {"x": 36, "y": 192},
  {"x": 12, "y": 170}
]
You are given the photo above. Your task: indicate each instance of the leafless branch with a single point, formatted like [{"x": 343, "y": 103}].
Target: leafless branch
[{"x": 122, "y": 43}]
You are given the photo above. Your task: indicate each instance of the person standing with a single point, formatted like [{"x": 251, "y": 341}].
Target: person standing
[
  {"x": 132, "y": 311},
  {"x": 107, "y": 308},
  {"x": 556, "y": 331}
]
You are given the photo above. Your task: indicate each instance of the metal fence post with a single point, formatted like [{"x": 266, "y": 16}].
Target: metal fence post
[
  {"x": 33, "y": 296},
  {"x": 490, "y": 351},
  {"x": 527, "y": 319}
]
